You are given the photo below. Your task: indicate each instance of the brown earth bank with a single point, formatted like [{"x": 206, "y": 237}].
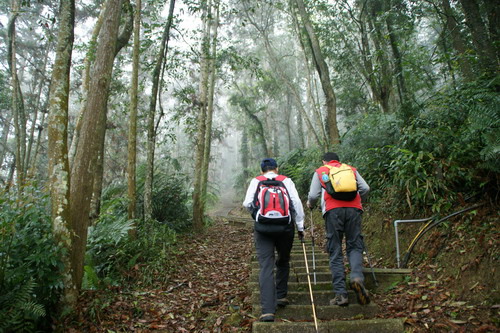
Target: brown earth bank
[
  {"x": 455, "y": 282},
  {"x": 453, "y": 287}
]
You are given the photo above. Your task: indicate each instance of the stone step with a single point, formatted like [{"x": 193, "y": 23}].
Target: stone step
[
  {"x": 299, "y": 256},
  {"x": 385, "y": 278},
  {"x": 325, "y": 312},
  {"x": 321, "y": 297},
  {"x": 294, "y": 286},
  {"x": 350, "y": 326},
  {"x": 295, "y": 268},
  {"x": 297, "y": 249},
  {"x": 300, "y": 263}
]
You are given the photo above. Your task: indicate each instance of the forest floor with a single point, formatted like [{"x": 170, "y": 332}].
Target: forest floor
[{"x": 207, "y": 292}]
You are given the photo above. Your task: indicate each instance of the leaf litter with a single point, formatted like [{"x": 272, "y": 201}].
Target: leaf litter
[{"x": 207, "y": 292}]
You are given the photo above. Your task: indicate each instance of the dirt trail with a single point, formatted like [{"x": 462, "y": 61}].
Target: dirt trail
[{"x": 206, "y": 290}]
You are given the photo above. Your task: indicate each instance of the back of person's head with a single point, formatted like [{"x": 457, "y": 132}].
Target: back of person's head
[
  {"x": 268, "y": 164},
  {"x": 330, "y": 156}
]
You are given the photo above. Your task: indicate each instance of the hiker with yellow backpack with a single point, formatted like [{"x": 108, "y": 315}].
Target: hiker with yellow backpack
[{"x": 341, "y": 190}]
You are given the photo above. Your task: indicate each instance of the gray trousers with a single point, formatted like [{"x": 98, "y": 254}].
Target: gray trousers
[
  {"x": 272, "y": 289},
  {"x": 340, "y": 222}
]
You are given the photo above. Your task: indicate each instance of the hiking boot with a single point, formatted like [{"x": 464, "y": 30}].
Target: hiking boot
[
  {"x": 361, "y": 292},
  {"x": 267, "y": 317},
  {"x": 340, "y": 300},
  {"x": 282, "y": 302}
]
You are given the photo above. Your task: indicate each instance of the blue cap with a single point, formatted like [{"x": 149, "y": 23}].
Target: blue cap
[{"x": 268, "y": 162}]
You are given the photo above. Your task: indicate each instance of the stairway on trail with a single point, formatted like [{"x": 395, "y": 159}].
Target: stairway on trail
[{"x": 298, "y": 316}]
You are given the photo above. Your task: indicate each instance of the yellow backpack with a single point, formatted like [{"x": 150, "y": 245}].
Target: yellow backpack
[{"x": 341, "y": 183}]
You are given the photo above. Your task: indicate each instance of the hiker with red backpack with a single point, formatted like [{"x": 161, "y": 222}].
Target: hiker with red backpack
[
  {"x": 341, "y": 189},
  {"x": 274, "y": 203}
]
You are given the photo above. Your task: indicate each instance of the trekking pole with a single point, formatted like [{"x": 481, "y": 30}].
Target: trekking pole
[
  {"x": 310, "y": 287},
  {"x": 312, "y": 241},
  {"x": 369, "y": 262}
]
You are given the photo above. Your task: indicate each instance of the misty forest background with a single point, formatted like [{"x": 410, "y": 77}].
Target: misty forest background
[{"x": 123, "y": 124}]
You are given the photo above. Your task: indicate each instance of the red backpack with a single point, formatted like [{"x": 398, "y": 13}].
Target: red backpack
[{"x": 272, "y": 201}]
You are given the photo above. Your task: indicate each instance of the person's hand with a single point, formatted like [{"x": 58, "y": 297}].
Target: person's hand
[
  {"x": 301, "y": 235},
  {"x": 309, "y": 205}
]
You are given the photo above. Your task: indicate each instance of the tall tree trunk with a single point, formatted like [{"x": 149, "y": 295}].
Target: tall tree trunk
[
  {"x": 493, "y": 13},
  {"x": 456, "y": 40},
  {"x": 300, "y": 131},
  {"x": 151, "y": 136},
  {"x": 122, "y": 40},
  {"x": 366, "y": 54},
  {"x": 59, "y": 174},
  {"x": 380, "y": 81},
  {"x": 17, "y": 98},
  {"x": 309, "y": 77},
  {"x": 261, "y": 137},
  {"x": 245, "y": 153},
  {"x": 132, "y": 127},
  {"x": 324, "y": 75},
  {"x": 5, "y": 136},
  {"x": 95, "y": 202},
  {"x": 288, "y": 115},
  {"x": 483, "y": 45},
  {"x": 91, "y": 135},
  {"x": 38, "y": 139},
  {"x": 30, "y": 161},
  {"x": 10, "y": 177},
  {"x": 198, "y": 199},
  {"x": 398, "y": 61},
  {"x": 87, "y": 63},
  {"x": 210, "y": 110}
]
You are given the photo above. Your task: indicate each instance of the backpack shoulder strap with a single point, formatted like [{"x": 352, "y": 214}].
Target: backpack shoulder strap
[
  {"x": 280, "y": 178},
  {"x": 261, "y": 179}
]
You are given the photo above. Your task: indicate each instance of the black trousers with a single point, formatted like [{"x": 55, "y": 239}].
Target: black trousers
[{"x": 272, "y": 288}]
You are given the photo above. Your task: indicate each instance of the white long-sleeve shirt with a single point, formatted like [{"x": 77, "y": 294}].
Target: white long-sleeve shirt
[{"x": 292, "y": 191}]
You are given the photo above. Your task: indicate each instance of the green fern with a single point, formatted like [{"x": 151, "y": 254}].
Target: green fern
[
  {"x": 18, "y": 310},
  {"x": 90, "y": 278}
]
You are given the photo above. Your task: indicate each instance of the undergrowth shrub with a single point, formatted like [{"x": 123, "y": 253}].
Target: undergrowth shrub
[
  {"x": 450, "y": 149},
  {"x": 171, "y": 197},
  {"x": 30, "y": 269},
  {"x": 112, "y": 257}
]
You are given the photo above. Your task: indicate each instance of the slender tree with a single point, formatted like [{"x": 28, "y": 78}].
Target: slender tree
[
  {"x": 17, "y": 97},
  {"x": 39, "y": 82},
  {"x": 132, "y": 129},
  {"x": 198, "y": 205},
  {"x": 311, "y": 101},
  {"x": 210, "y": 107},
  {"x": 324, "y": 75},
  {"x": 454, "y": 33},
  {"x": 246, "y": 106},
  {"x": 394, "y": 41},
  {"x": 485, "y": 49},
  {"x": 59, "y": 174},
  {"x": 7, "y": 120},
  {"x": 151, "y": 128}
]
